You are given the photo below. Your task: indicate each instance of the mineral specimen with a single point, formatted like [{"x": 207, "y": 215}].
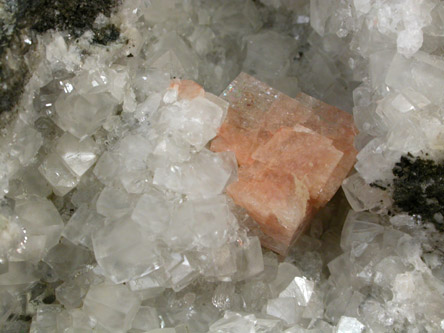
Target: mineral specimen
[
  {"x": 293, "y": 156},
  {"x": 114, "y": 213}
]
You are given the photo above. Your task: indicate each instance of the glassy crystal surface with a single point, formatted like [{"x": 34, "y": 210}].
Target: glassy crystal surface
[{"x": 78, "y": 155}]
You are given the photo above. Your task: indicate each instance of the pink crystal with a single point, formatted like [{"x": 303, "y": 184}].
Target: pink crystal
[{"x": 293, "y": 156}]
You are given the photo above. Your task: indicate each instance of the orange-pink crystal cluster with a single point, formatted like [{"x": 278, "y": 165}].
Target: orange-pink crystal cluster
[{"x": 293, "y": 155}]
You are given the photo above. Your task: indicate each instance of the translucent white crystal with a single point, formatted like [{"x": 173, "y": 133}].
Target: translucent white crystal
[
  {"x": 19, "y": 275},
  {"x": 66, "y": 257},
  {"x": 286, "y": 309},
  {"x": 46, "y": 319},
  {"x": 350, "y": 325},
  {"x": 237, "y": 18},
  {"x": 268, "y": 54},
  {"x": 82, "y": 115},
  {"x": 114, "y": 203},
  {"x": 182, "y": 275},
  {"x": 152, "y": 212},
  {"x": 359, "y": 228},
  {"x": 249, "y": 259},
  {"x": 78, "y": 155},
  {"x": 112, "y": 306},
  {"x": 195, "y": 121},
  {"x": 426, "y": 74},
  {"x": 376, "y": 161},
  {"x": 72, "y": 292},
  {"x": 361, "y": 196},
  {"x": 234, "y": 322},
  {"x": 149, "y": 286},
  {"x": 43, "y": 226},
  {"x": 133, "y": 151},
  {"x": 58, "y": 175},
  {"x": 29, "y": 182},
  {"x": 82, "y": 224},
  {"x": 300, "y": 288},
  {"x": 12, "y": 237},
  {"x": 213, "y": 222},
  {"x": 124, "y": 250},
  {"x": 205, "y": 175},
  {"x": 146, "y": 319},
  {"x": 24, "y": 143},
  {"x": 107, "y": 168},
  {"x": 171, "y": 55},
  {"x": 285, "y": 275}
]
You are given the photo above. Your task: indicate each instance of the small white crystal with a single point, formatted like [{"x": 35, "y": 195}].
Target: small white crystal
[
  {"x": 361, "y": 196},
  {"x": 82, "y": 115},
  {"x": 286, "y": 309},
  {"x": 114, "y": 203},
  {"x": 285, "y": 275},
  {"x": 78, "y": 155},
  {"x": 152, "y": 212},
  {"x": 268, "y": 54},
  {"x": 124, "y": 250},
  {"x": 205, "y": 175},
  {"x": 146, "y": 319},
  {"x": 301, "y": 289},
  {"x": 82, "y": 224},
  {"x": 112, "y": 306},
  {"x": 359, "y": 228},
  {"x": 107, "y": 168},
  {"x": 58, "y": 175},
  {"x": 43, "y": 226},
  {"x": 349, "y": 325}
]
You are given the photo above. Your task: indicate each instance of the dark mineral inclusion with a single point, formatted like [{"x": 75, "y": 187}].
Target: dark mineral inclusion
[
  {"x": 418, "y": 188},
  {"x": 29, "y": 17}
]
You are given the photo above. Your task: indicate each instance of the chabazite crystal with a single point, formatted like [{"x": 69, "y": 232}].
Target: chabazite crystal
[{"x": 293, "y": 156}]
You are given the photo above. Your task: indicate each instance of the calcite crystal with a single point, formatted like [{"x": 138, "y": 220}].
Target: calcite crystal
[{"x": 293, "y": 156}]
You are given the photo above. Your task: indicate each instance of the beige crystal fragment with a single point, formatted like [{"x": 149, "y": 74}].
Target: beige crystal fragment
[{"x": 293, "y": 156}]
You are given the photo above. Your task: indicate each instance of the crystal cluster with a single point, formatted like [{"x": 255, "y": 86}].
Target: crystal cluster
[
  {"x": 114, "y": 215},
  {"x": 293, "y": 153}
]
